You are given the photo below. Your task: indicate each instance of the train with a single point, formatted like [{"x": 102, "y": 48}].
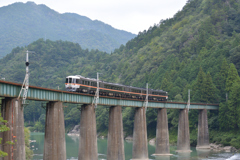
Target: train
[{"x": 81, "y": 84}]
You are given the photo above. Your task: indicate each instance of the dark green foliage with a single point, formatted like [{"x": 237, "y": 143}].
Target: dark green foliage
[
  {"x": 210, "y": 89},
  {"x": 232, "y": 77},
  {"x": 193, "y": 137},
  {"x": 128, "y": 118},
  {"x": 226, "y": 138},
  {"x": 102, "y": 118},
  {"x": 32, "y": 112},
  {"x": 199, "y": 87},
  {"x": 173, "y": 116},
  {"x": 229, "y": 111},
  {"x": 151, "y": 122},
  {"x": 204, "y": 89},
  {"x": 72, "y": 118},
  {"x": 234, "y": 106},
  {"x": 223, "y": 119}
]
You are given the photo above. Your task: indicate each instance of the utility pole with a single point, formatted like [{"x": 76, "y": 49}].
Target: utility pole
[
  {"x": 188, "y": 103},
  {"x": 145, "y": 104},
  {"x": 96, "y": 97},
  {"x": 25, "y": 84}
]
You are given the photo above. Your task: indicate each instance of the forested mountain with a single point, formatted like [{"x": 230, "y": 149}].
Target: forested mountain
[
  {"x": 197, "y": 49},
  {"x": 23, "y": 23}
]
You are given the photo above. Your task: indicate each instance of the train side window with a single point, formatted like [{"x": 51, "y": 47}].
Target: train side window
[
  {"x": 135, "y": 90},
  {"x": 78, "y": 81},
  {"x": 107, "y": 86},
  {"x": 94, "y": 84}
]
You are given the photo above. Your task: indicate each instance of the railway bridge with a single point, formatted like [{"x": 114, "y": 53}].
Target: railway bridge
[{"x": 54, "y": 143}]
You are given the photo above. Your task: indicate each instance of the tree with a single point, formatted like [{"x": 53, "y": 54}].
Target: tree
[
  {"x": 198, "y": 88},
  {"x": 234, "y": 106},
  {"x": 209, "y": 89},
  {"x": 224, "y": 122},
  {"x": 128, "y": 120},
  {"x": 29, "y": 152},
  {"x": 220, "y": 80},
  {"x": 204, "y": 88},
  {"x": 232, "y": 77},
  {"x": 165, "y": 84},
  {"x": 178, "y": 98},
  {"x": 3, "y": 128}
]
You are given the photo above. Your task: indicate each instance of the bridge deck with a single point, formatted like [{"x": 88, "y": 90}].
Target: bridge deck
[{"x": 9, "y": 89}]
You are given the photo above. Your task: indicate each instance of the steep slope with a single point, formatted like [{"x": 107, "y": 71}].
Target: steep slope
[
  {"x": 201, "y": 35},
  {"x": 23, "y": 23}
]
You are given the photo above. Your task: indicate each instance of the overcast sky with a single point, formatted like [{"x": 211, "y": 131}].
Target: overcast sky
[{"x": 129, "y": 15}]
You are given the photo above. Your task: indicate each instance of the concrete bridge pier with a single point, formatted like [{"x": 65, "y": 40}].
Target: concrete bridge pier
[
  {"x": 183, "y": 143},
  {"x": 203, "y": 134},
  {"x": 54, "y": 142},
  {"x": 140, "y": 148},
  {"x": 88, "y": 134},
  {"x": 162, "y": 135},
  {"x": 115, "y": 149},
  {"x": 12, "y": 111}
]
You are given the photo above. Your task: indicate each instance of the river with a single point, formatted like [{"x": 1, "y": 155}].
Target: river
[{"x": 72, "y": 145}]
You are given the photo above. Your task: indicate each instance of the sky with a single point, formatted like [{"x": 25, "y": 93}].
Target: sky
[{"x": 130, "y": 15}]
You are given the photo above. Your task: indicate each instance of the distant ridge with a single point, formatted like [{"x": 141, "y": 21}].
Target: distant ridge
[{"x": 23, "y": 23}]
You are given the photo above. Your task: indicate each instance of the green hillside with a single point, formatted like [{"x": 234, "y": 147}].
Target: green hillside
[
  {"x": 23, "y": 23},
  {"x": 197, "y": 49}
]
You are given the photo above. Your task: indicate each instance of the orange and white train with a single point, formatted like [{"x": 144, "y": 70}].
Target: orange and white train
[{"x": 78, "y": 83}]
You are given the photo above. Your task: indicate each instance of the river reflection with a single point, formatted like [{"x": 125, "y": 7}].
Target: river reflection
[
  {"x": 203, "y": 153},
  {"x": 184, "y": 155},
  {"x": 162, "y": 157},
  {"x": 72, "y": 145}
]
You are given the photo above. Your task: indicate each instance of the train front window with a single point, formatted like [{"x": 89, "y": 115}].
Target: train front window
[
  {"x": 66, "y": 80},
  {"x": 70, "y": 80}
]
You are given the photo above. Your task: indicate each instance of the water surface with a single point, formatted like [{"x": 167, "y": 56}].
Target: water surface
[{"x": 72, "y": 145}]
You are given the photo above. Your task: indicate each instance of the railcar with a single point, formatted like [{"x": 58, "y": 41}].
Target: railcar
[{"x": 78, "y": 83}]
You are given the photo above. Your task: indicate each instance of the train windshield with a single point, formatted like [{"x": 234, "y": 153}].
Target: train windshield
[{"x": 69, "y": 80}]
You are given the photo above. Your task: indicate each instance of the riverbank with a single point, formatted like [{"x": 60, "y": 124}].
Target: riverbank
[{"x": 225, "y": 138}]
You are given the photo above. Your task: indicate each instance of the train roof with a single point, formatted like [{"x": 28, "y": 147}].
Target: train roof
[{"x": 116, "y": 84}]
